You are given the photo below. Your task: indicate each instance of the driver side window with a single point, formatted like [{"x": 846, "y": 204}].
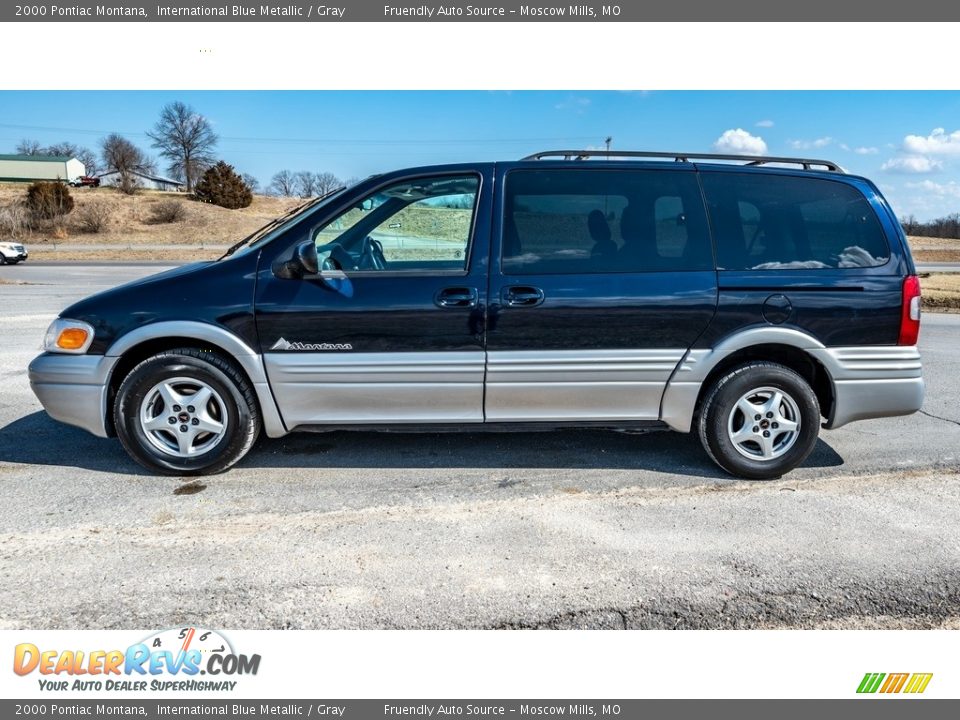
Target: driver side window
[{"x": 423, "y": 224}]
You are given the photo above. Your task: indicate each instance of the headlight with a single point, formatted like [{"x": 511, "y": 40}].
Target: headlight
[{"x": 68, "y": 336}]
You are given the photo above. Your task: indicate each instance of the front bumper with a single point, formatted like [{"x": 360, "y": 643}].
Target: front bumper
[{"x": 73, "y": 388}]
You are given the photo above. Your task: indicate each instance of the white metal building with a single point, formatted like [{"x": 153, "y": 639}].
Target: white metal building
[
  {"x": 25, "y": 168},
  {"x": 143, "y": 180}
]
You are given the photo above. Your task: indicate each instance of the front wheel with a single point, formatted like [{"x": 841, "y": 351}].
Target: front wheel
[
  {"x": 759, "y": 421},
  {"x": 186, "y": 412}
]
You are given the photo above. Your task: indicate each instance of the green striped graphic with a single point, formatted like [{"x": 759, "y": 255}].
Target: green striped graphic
[{"x": 871, "y": 682}]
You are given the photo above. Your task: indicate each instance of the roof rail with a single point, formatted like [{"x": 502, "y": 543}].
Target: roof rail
[{"x": 806, "y": 163}]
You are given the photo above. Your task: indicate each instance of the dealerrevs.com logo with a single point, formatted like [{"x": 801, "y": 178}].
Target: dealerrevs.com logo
[
  {"x": 887, "y": 684},
  {"x": 180, "y": 659}
]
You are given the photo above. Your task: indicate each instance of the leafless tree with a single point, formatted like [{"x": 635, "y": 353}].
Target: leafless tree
[
  {"x": 251, "y": 182},
  {"x": 943, "y": 227},
  {"x": 306, "y": 184},
  {"x": 324, "y": 182},
  {"x": 68, "y": 149},
  {"x": 284, "y": 183},
  {"x": 29, "y": 147},
  {"x": 126, "y": 158},
  {"x": 186, "y": 139}
]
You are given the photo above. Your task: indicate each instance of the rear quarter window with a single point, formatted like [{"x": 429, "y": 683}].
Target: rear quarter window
[{"x": 779, "y": 222}]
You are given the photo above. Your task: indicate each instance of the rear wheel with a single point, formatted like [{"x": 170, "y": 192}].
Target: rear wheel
[
  {"x": 186, "y": 412},
  {"x": 759, "y": 421}
]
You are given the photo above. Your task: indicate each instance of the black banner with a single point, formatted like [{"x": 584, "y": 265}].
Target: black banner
[{"x": 456, "y": 11}]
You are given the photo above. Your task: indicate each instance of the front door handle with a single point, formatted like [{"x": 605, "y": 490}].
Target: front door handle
[
  {"x": 522, "y": 296},
  {"x": 456, "y": 297}
]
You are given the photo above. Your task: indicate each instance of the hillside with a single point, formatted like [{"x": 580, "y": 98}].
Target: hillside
[{"x": 130, "y": 223}]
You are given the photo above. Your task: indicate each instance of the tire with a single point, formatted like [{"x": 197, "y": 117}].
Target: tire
[
  {"x": 755, "y": 389},
  {"x": 208, "y": 436},
  {"x": 3, "y": 259}
]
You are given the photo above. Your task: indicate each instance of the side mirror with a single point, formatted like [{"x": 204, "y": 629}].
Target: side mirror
[
  {"x": 306, "y": 255},
  {"x": 304, "y": 262}
]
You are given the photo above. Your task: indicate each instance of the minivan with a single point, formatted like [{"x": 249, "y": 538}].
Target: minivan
[{"x": 752, "y": 300}]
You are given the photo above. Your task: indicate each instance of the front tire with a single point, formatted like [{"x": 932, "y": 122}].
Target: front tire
[
  {"x": 759, "y": 421},
  {"x": 186, "y": 412}
]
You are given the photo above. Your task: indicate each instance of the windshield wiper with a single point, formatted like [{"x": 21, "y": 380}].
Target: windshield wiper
[{"x": 260, "y": 232}]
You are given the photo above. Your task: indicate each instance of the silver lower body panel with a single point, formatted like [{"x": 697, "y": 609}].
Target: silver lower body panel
[
  {"x": 577, "y": 385},
  {"x": 361, "y": 388},
  {"x": 872, "y": 382},
  {"x": 73, "y": 388}
]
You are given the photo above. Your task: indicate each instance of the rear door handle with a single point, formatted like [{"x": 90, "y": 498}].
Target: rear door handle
[
  {"x": 456, "y": 297},
  {"x": 522, "y": 296}
]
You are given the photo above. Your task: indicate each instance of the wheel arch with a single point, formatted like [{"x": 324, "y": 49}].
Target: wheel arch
[
  {"x": 701, "y": 368},
  {"x": 136, "y": 346}
]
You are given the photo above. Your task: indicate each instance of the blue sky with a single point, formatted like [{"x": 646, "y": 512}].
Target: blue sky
[{"x": 907, "y": 142}]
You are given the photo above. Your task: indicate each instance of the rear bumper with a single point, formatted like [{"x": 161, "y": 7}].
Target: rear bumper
[
  {"x": 73, "y": 388},
  {"x": 872, "y": 382}
]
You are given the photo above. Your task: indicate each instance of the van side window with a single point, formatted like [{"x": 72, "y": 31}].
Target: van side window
[
  {"x": 421, "y": 225},
  {"x": 603, "y": 221},
  {"x": 779, "y": 222}
]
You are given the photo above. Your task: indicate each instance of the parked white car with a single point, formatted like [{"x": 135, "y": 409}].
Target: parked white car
[{"x": 11, "y": 253}]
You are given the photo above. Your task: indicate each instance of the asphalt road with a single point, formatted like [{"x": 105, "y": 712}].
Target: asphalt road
[{"x": 565, "y": 529}]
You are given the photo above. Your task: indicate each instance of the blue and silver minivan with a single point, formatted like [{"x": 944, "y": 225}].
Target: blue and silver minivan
[{"x": 752, "y": 300}]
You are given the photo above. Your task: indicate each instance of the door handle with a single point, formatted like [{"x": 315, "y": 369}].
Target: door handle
[
  {"x": 522, "y": 296},
  {"x": 456, "y": 297}
]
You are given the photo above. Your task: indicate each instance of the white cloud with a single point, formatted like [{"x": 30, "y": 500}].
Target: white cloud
[
  {"x": 912, "y": 164},
  {"x": 741, "y": 142},
  {"x": 866, "y": 150},
  {"x": 764, "y": 123},
  {"x": 578, "y": 104},
  {"x": 807, "y": 144},
  {"x": 950, "y": 189},
  {"x": 939, "y": 142}
]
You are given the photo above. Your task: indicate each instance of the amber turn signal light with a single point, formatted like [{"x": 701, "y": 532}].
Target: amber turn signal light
[{"x": 72, "y": 338}]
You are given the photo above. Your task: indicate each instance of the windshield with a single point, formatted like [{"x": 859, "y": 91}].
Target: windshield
[{"x": 258, "y": 237}]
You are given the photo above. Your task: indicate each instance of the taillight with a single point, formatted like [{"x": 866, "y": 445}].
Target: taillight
[{"x": 910, "y": 311}]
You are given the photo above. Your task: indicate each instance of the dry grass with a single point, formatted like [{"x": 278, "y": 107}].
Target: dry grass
[
  {"x": 925, "y": 249},
  {"x": 941, "y": 291},
  {"x": 131, "y": 218}
]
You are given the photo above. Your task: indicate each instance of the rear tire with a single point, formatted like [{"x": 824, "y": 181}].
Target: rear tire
[
  {"x": 186, "y": 412},
  {"x": 759, "y": 421}
]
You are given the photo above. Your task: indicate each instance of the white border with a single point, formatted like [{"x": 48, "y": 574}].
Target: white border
[
  {"x": 465, "y": 55},
  {"x": 533, "y": 664}
]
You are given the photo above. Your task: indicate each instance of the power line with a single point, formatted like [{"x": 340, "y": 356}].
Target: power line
[{"x": 355, "y": 141}]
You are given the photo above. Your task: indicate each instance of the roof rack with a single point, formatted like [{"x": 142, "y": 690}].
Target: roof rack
[{"x": 806, "y": 163}]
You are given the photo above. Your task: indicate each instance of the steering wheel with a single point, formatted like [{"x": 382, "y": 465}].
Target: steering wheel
[
  {"x": 339, "y": 259},
  {"x": 371, "y": 255}
]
